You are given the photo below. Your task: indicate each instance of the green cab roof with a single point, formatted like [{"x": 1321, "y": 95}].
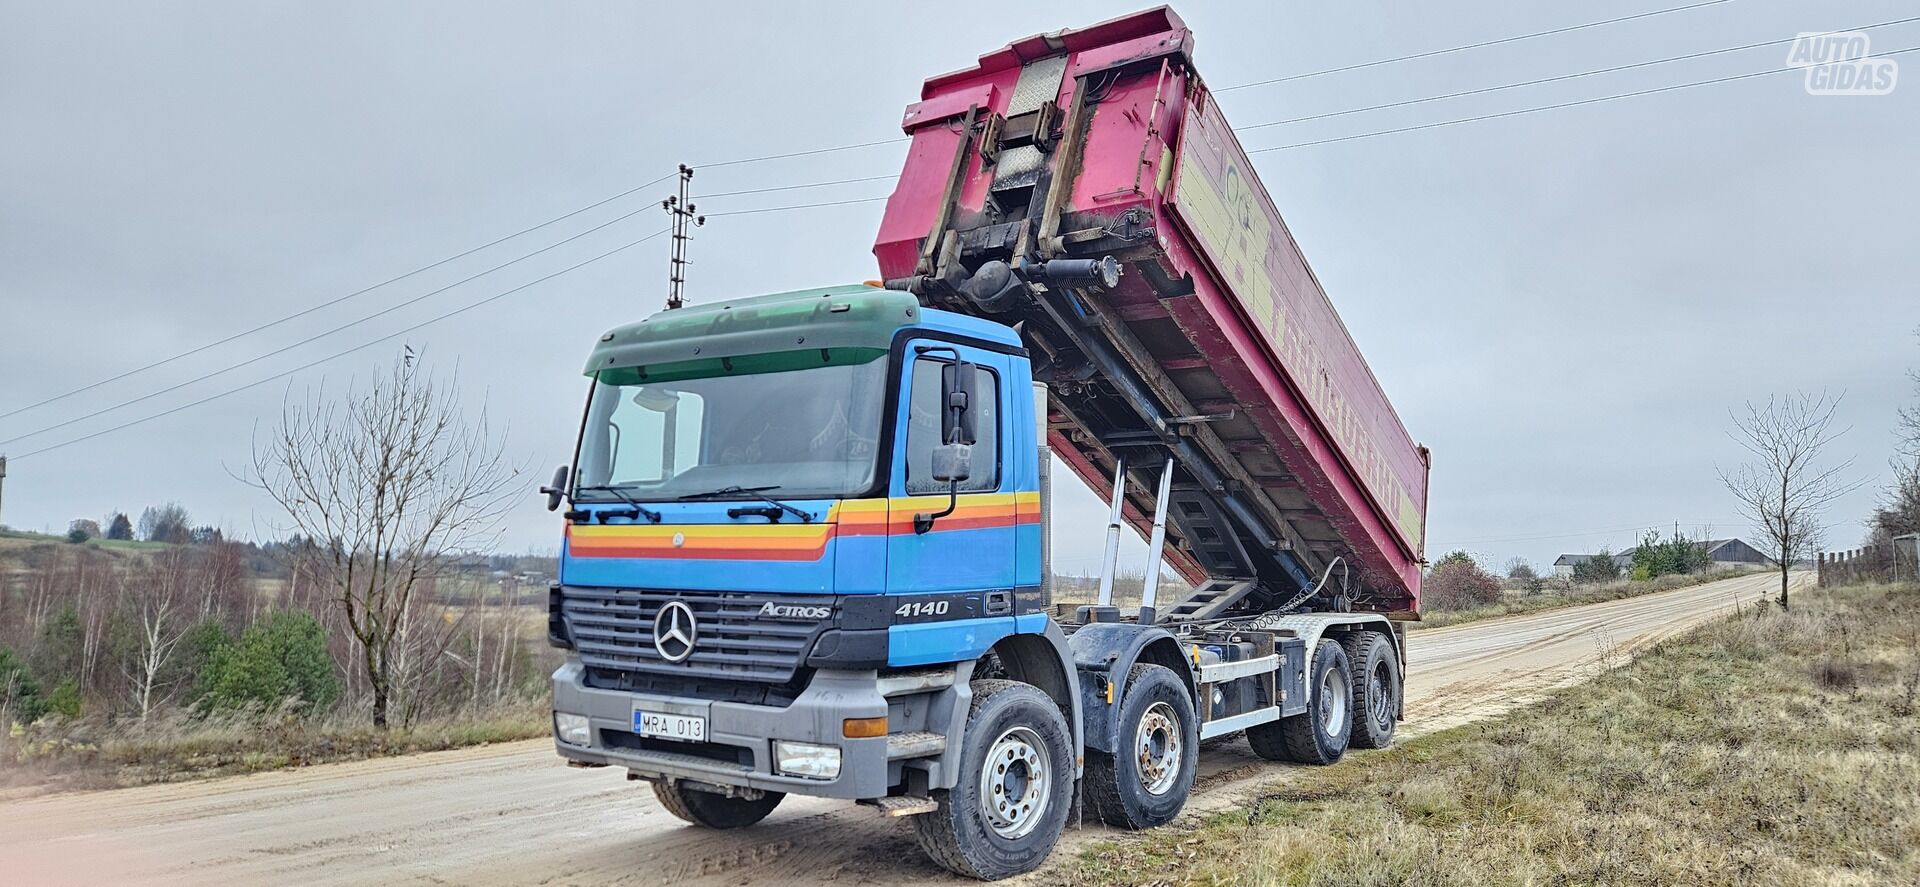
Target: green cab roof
[{"x": 828, "y": 318}]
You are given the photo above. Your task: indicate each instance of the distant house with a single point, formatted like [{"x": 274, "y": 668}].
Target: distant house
[
  {"x": 1563, "y": 566},
  {"x": 1734, "y": 553},
  {"x": 1723, "y": 553}
]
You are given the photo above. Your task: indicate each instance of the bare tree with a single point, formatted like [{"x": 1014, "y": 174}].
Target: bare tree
[
  {"x": 1899, "y": 511},
  {"x": 388, "y": 483},
  {"x": 166, "y": 523},
  {"x": 1909, "y": 424},
  {"x": 158, "y": 600},
  {"x": 1785, "y": 489}
]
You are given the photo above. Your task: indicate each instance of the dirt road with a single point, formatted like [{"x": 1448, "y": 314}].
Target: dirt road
[{"x": 513, "y": 814}]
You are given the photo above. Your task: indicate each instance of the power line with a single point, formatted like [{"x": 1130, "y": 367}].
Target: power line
[
  {"x": 776, "y": 209},
  {"x": 390, "y": 309},
  {"x": 352, "y": 323},
  {"x": 328, "y": 304},
  {"x": 795, "y": 187},
  {"x": 1556, "y": 79},
  {"x": 1516, "y": 113},
  {"x": 811, "y": 152},
  {"x": 306, "y": 366},
  {"x": 413, "y": 273},
  {"x": 857, "y": 145},
  {"x": 1484, "y": 43},
  {"x": 847, "y": 147},
  {"x": 1291, "y": 77}
]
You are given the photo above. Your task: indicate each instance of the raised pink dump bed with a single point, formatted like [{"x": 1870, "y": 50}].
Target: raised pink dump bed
[{"x": 1217, "y": 307}]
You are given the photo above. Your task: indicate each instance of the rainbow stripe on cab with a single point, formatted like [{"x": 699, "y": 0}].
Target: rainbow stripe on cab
[{"x": 793, "y": 541}]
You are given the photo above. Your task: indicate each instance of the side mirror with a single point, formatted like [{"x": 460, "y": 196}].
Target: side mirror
[
  {"x": 557, "y": 490},
  {"x": 956, "y": 402},
  {"x": 953, "y": 462}
]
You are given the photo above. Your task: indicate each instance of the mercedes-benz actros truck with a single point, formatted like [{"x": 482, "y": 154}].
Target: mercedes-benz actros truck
[{"x": 807, "y": 533}]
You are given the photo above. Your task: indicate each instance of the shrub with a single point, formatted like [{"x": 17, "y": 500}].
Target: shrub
[
  {"x": 76, "y": 536},
  {"x": 65, "y": 699},
  {"x": 61, "y": 646},
  {"x": 19, "y": 693},
  {"x": 1676, "y": 554},
  {"x": 1458, "y": 585},
  {"x": 281, "y": 657},
  {"x": 1597, "y": 568}
]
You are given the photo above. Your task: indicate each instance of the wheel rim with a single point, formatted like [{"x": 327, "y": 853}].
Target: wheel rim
[
  {"x": 1015, "y": 786},
  {"x": 1380, "y": 696},
  {"x": 1333, "y": 702},
  {"x": 1157, "y": 748}
]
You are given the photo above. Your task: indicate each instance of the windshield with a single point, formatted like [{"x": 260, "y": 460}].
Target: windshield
[{"x": 810, "y": 432}]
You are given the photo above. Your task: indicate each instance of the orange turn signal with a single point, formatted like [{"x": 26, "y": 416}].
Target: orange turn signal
[{"x": 863, "y": 728}]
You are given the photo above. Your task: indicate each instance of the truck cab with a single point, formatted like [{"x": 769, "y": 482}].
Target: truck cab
[{"x": 759, "y": 560}]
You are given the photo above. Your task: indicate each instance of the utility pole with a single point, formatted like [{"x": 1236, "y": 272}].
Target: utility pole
[
  {"x": 3, "y": 485},
  {"x": 682, "y": 212}
]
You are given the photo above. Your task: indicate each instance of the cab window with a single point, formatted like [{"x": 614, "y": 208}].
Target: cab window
[{"x": 923, "y": 430}]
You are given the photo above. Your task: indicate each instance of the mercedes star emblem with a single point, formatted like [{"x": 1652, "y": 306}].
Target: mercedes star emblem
[{"x": 674, "y": 631}]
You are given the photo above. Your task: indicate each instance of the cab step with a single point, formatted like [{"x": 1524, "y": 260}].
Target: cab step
[
  {"x": 915, "y": 744},
  {"x": 902, "y": 805}
]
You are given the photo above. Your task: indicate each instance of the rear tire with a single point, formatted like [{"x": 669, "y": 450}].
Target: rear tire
[
  {"x": 1158, "y": 741},
  {"x": 1015, "y": 789},
  {"x": 1321, "y": 734},
  {"x": 709, "y": 810},
  {"x": 1376, "y": 688}
]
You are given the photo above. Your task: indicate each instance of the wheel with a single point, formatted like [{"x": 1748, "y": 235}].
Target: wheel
[
  {"x": 711, "y": 810},
  {"x": 1319, "y": 735},
  {"x": 1376, "y": 687},
  {"x": 1006, "y": 811},
  {"x": 1146, "y": 784}
]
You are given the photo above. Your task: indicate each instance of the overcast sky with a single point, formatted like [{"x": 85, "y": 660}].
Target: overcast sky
[{"x": 1562, "y": 305}]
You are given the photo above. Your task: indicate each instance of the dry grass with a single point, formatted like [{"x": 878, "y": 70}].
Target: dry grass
[
  {"x": 1551, "y": 599},
  {"x": 98, "y": 754},
  {"x": 1767, "y": 749}
]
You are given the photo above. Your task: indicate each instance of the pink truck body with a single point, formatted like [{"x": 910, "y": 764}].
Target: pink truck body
[{"x": 1218, "y": 310}]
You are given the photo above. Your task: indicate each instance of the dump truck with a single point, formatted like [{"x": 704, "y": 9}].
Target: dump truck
[{"x": 807, "y": 539}]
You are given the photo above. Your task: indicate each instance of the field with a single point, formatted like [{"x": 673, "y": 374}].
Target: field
[
  {"x": 1769, "y": 748},
  {"x": 1554, "y": 596},
  {"x": 18, "y": 539},
  {"x": 127, "y": 663}
]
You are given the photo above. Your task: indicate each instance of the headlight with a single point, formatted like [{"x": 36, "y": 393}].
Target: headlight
[
  {"x": 806, "y": 759},
  {"x": 572, "y": 729}
]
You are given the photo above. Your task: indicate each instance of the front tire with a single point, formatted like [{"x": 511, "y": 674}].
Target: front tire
[
  {"x": 1010, "y": 804},
  {"x": 1147, "y": 782},
  {"x": 1321, "y": 734},
  {"x": 709, "y": 810}
]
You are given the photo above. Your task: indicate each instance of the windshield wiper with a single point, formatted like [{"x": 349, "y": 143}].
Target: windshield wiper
[
  {"x": 759, "y": 493},
  {"x": 638, "y": 510}
]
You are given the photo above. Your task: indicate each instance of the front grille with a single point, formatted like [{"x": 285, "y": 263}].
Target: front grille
[
  {"x": 712, "y": 751},
  {"x": 612, "y": 628},
  {"x": 743, "y": 692}
]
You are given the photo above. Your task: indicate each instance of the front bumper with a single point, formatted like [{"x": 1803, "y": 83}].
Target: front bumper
[{"x": 740, "y": 737}]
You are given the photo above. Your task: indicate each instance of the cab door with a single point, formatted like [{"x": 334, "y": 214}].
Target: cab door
[{"x": 972, "y": 549}]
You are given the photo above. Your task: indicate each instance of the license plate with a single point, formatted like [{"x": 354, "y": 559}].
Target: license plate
[{"x": 658, "y": 725}]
